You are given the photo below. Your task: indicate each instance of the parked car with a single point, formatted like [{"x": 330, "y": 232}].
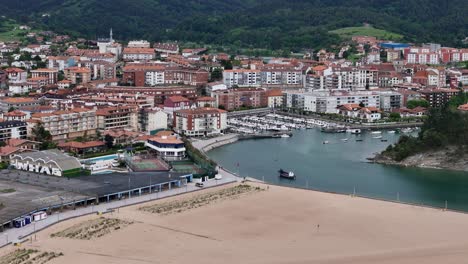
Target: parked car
[{"x": 199, "y": 184}]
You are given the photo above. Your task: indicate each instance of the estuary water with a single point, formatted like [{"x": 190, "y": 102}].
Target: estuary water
[{"x": 341, "y": 166}]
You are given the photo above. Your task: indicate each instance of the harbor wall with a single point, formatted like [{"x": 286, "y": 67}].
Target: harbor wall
[{"x": 219, "y": 143}]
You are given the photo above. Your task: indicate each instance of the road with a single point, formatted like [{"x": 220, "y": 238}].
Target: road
[{"x": 18, "y": 234}]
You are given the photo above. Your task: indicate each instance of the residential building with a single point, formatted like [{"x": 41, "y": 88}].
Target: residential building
[
  {"x": 51, "y": 75},
  {"x": 166, "y": 48},
  {"x": 175, "y": 103},
  {"x": 438, "y": 97},
  {"x": 12, "y": 130},
  {"x": 81, "y": 148},
  {"x": 153, "y": 120},
  {"x": 200, "y": 121},
  {"x": 328, "y": 101},
  {"x": 232, "y": 99},
  {"x": 205, "y": 101},
  {"x": 275, "y": 98},
  {"x": 16, "y": 75},
  {"x": 17, "y": 103},
  {"x": 67, "y": 124},
  {"x": 137, "y": 54},
  {"x": 138, "y": 44},
  {"x": 78, "y": 75},
  {"x": 125, "y": 117},
  {"x": 242, "y": 78},
  {"x": 390, "y": 100}
]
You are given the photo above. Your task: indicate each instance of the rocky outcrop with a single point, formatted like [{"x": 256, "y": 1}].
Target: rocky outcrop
[{"x": 450, "y": 158}]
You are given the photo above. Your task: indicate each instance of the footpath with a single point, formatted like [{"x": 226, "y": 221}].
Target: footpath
[{"x": 15, "y": 235}]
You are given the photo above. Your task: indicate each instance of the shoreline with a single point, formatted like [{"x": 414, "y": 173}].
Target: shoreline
[
  {"x": 254, "y": 180},
  {"x": 324, "y": 223}
]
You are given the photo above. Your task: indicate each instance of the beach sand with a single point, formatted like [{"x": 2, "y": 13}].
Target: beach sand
[{"x": 277, "y": 225}]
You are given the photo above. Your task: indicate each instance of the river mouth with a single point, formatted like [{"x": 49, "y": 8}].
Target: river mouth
[{"x": 341, "y": 166}]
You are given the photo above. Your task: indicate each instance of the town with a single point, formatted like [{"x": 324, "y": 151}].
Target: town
[{"x": 72, "y": 107}]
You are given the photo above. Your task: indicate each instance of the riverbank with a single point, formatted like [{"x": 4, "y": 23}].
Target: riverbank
[
  {"x": 283, "y": 225},
  {"x": 444, "y": 159}
]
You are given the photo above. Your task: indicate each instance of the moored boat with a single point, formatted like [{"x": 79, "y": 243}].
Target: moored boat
[{"x": 287, "y": 174}]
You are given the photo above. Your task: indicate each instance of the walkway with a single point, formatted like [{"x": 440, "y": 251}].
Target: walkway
[{"x": 18, "y": 234}]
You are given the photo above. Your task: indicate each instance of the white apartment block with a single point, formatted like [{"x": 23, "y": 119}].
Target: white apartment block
[
  {"x": 78, "y": 122},
  {"x": 242, "y": 78},
  {"x": 138, "y": 44},
  {"x": 327, "y": 102},
  {"x": 200, "y": 121},
  {"x": 153, "y": 78}
]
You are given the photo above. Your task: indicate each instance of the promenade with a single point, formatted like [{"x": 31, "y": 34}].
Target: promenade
[{"x": 19, "y": 234}]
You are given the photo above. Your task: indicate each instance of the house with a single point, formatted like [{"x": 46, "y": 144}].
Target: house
[
  {"x": 415, "y": 112},
  {"x": 349, "y": 110},
  {"x": 175, "y": 103},
  {"x": 463, "y": 108},
  {"x": 205, "y": 101},
  {"x": 23, "y": 144},
  {"x": 7, "y": 152},
  {"x": 121, "y": 136},
  {"x": 81, "y": 148},
  {"x": 370, "y": 114},
  {"x": 15, "y": 115}
]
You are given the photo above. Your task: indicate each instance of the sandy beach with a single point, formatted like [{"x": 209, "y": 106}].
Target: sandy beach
[{"x": 274, "y": 225}]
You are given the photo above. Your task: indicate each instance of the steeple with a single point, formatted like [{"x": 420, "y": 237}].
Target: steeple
[{"x": 111, "y": 35}]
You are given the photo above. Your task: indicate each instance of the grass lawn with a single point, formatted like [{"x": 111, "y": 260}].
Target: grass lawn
[
  {"x": 9, "y": 30},
  {"x": 349, "y": 32}
]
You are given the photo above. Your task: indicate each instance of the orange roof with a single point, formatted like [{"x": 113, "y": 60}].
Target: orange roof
[
  {"x": 82, "y": 145},
  {"x": 17, "y": 100},
  {"x": 274, "y": 93},
  {"x": 463, "y": 107},
  {"x": 319, "y": 68},
  {"x": 203, "y": 110},
  {"x": 15, "y": 113},
  {"x": 178, "y": 98},
  {"x": 7, "y": 150},
  {"x": 44, "y": 70},
  {"x": 79, "y": 70},
  {"x": 205, "y": 98},
  {"x": 138, "y": 51}
]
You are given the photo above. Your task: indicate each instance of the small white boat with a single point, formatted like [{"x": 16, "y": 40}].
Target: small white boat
[
  {"x": 376, "y": 132},
  {"x": 326, "y": 142},
  {"x": 391, "y": 132},
  {"x": 285, "y": 136},
  {"x": 354, "y": 131},
  {"x": 344, "y": 139},
  {"x": 378, "y": 137}
]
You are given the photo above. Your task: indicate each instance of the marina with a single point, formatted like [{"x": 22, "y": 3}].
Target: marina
[{"x": 325, "y": 162}]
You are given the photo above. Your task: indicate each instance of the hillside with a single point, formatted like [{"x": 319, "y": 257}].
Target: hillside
[
  {"x": 270, "y": 24},
  {"x": 442, "y": 142}
]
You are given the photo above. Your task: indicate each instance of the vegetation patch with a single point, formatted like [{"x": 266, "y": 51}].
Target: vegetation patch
[
  {"x": 94, "y": 228},
  {"x": 29, "y": 256},
  {"x": 445, "y": 126},
  {"x": 349, "y": 32},
  {"x": 179, "y": 206},
  {"x": 10, "y": 190}
]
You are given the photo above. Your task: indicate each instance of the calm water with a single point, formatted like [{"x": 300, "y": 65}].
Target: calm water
[{"x": 341, "y": 167}]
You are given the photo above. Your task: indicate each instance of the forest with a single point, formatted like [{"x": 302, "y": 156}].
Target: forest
[{"x": 268, "y": 24}]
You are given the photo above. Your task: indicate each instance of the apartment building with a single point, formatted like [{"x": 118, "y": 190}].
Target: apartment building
[
  {"x": 138, "y": 44},
  {"x": 166, "y": 48},
  {"x": 17, "y": 103},
  {"x": 125, "y": 117},
  {"x": 200, "y": 121},
  {"x": 136, "y": 54},
  {"x": 12, "y": 129},
  {"x": 16, "y": 75},
  {"x": 328, "y": 101},
  {"x": 78, "y": 75},
  {"x": 232, "y": 99},
  {"x": 159, "y": 74},
  {"x": 69, "y": 124},
  {"x": 242, "y": 78},
  {"x": 51, "y": 75},
  {"x": 272, "y": 75},
  {"x": 417, "y": 55},
  {"x": 438, "y": 97}
]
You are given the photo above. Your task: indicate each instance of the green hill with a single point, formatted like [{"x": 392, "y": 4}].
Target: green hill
[
  {"x": 270, "y": 24},
  {"x": 349, "y": 32}
]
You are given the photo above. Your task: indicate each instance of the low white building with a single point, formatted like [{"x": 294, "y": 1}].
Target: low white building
[
  {"x": 167, "y": 145},
  {"x": 49, "y": 162}
]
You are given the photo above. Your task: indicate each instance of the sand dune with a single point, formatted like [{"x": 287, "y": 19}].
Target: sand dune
[{"x": 278, "y": 225}]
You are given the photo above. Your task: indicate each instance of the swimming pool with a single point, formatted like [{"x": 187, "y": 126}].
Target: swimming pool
[{"x": 103, "y": 158}]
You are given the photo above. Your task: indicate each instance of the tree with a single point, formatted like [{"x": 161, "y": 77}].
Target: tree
[
  {"x": 40, "y": 134},
  {"x": 11, "y": 109},
  {"x": 395, "y": 116},
  {"x": 361, "y": 104},
  {"x": 109, "y": 140},
  {"x": 221, "y": 107},
  {"x": 411, "y": 104},
  {"x": 216, "y": 74}
]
